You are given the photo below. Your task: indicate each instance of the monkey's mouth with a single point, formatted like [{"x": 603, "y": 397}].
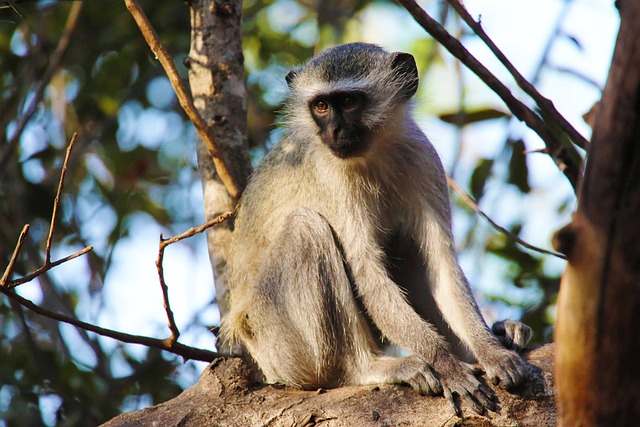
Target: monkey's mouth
[{"x": 346, "y": 147}]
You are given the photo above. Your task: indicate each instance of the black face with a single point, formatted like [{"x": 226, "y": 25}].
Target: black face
[{"x": 339, "y": 119}]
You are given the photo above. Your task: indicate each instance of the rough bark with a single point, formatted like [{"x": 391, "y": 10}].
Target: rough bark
[
  {"x": 226, "y": 395},
  {"x": 216, "y": 77},
  {"x": 598, "y": 350}
]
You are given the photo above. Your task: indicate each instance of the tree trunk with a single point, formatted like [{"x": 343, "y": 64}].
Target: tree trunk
[
  {"x": 216, "y": 77},
  {"x": 226, "y": 395},
  {"x": 597, "y": 334}
]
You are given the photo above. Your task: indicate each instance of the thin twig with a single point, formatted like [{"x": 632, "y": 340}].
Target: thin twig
[
  {"x": 473, "y": 205},
  {"x": 15, "y": 9},
  {"x": 14, "y": 257},
  {"x": 56, "y": 61},
  {"x": 184, "y": 96},
  {"x": 175, "y": 333},
  {"x": 545, "y": 104},
  {"x": 56, "y": 202},
  {"x": 560, "y": 154},
  {"x": 199, "y": 229},
  {"x": 187, "y": 352},
  {"x": 46, "y": 267}
]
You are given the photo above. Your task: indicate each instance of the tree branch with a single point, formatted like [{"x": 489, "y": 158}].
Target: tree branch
[
  {"x": 564, "y": 157},
  {"x": 545, "y": 104},
  {"x": 56, "y": 61},
  {"x": 48, "y": 265},
  {"x": 187, "y": 352},
  {"x": 171, "y": 345},
  {"x": 56, "y": 202},
  {"x": 14, "y": 257},
  {"x": 184, "y": 97},
  {"x": 175, "y": 333},
  {"x": 473, "y": 205}
]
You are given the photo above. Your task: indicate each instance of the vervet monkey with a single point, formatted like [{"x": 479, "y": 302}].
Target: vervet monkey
[{"x": 343, "y": 244}]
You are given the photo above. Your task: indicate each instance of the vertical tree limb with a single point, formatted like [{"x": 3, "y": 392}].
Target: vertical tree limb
[
  {"x": 597, "y": 345},
  {"x": 216, "y": 77}
]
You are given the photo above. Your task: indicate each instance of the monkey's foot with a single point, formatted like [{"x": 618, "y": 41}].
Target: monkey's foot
[
  {"x": 513, "y": 335},
  {"x": 505, "y": 368},
  {"x": 459, "y": 383}
]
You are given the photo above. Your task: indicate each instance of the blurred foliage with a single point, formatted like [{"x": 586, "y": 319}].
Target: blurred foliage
[{"x": 135, "y": 155}]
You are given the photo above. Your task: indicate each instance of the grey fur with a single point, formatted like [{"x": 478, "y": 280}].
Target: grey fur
[{"x": 333, "y": 257}]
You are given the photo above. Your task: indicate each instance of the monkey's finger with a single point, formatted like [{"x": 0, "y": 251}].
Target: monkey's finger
[
  {"x": 498, "y": 328},
  {"x": 452, "y": 403},
  {"x": 486, "y": 397},
  {"x": 495, "y": 380},
  {"x": 472, "y": 402},
  {"x": 524, "y": 370},
  {"x": 488, "y": 391},
  {"x": 415, "y": 384},
  {"x": 474, "y": 369},
  {"x": 507, "y": 341},
  {"x": 433, "y": 382}
]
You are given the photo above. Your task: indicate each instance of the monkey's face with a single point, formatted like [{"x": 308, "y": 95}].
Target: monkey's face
[{"x": 339, "y": 117}]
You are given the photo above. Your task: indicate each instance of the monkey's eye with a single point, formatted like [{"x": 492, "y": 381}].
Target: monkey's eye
[
  {"x": 321, "y": 107},
  {"x": 349, "y": 101}
]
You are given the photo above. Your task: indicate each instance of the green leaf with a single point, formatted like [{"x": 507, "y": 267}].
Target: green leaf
[
  {"x": 463, "y": 118},
  {"x": 518, "y": 169},
  {"x": 479, "y": 177}
]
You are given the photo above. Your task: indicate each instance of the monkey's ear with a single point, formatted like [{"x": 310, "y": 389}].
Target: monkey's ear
[
  {"x": 291, "y": 75},
  {"x": 404, "y": 65}
]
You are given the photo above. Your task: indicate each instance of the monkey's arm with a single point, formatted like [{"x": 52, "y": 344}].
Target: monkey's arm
[
  {"x": 387, "y": 306},
  {"x": 455, "y": 301}
]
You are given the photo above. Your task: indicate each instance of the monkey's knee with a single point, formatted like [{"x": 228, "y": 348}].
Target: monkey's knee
[{"x": 305, "y": 222}]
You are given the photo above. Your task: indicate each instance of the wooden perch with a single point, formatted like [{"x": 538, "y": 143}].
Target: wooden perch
[{"x": 227, "y": 395}]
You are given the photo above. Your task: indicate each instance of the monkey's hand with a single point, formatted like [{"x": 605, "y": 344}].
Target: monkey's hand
[
  {"x": 513, "y": 335},
  {"x": 504, "y": 367},
  {"x": 459, "y": 383},
  {"x": 419, "y": 375}
]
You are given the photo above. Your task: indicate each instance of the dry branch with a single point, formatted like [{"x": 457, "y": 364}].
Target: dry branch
[
  {"x": 175, "y": 333},
  {"x": 474, "y": 205},
  {"x": 170, "y": 344},
  {"x": 545, "y": 104},
  {"x": 48, "y": 265},
  {"x": 14, "y": 257},
  {"x": 56, "y": 202},
  {"x": 186, "y": 102},
  {"x": 56, "y": 61},
  {"x": 561, "y": 155},
  {"x": 185, "y": 351}
]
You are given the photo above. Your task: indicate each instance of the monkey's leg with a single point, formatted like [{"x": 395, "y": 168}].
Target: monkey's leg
[
  {"x": 303, "y": 326},
  {"x": 304, "y": 302}
]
